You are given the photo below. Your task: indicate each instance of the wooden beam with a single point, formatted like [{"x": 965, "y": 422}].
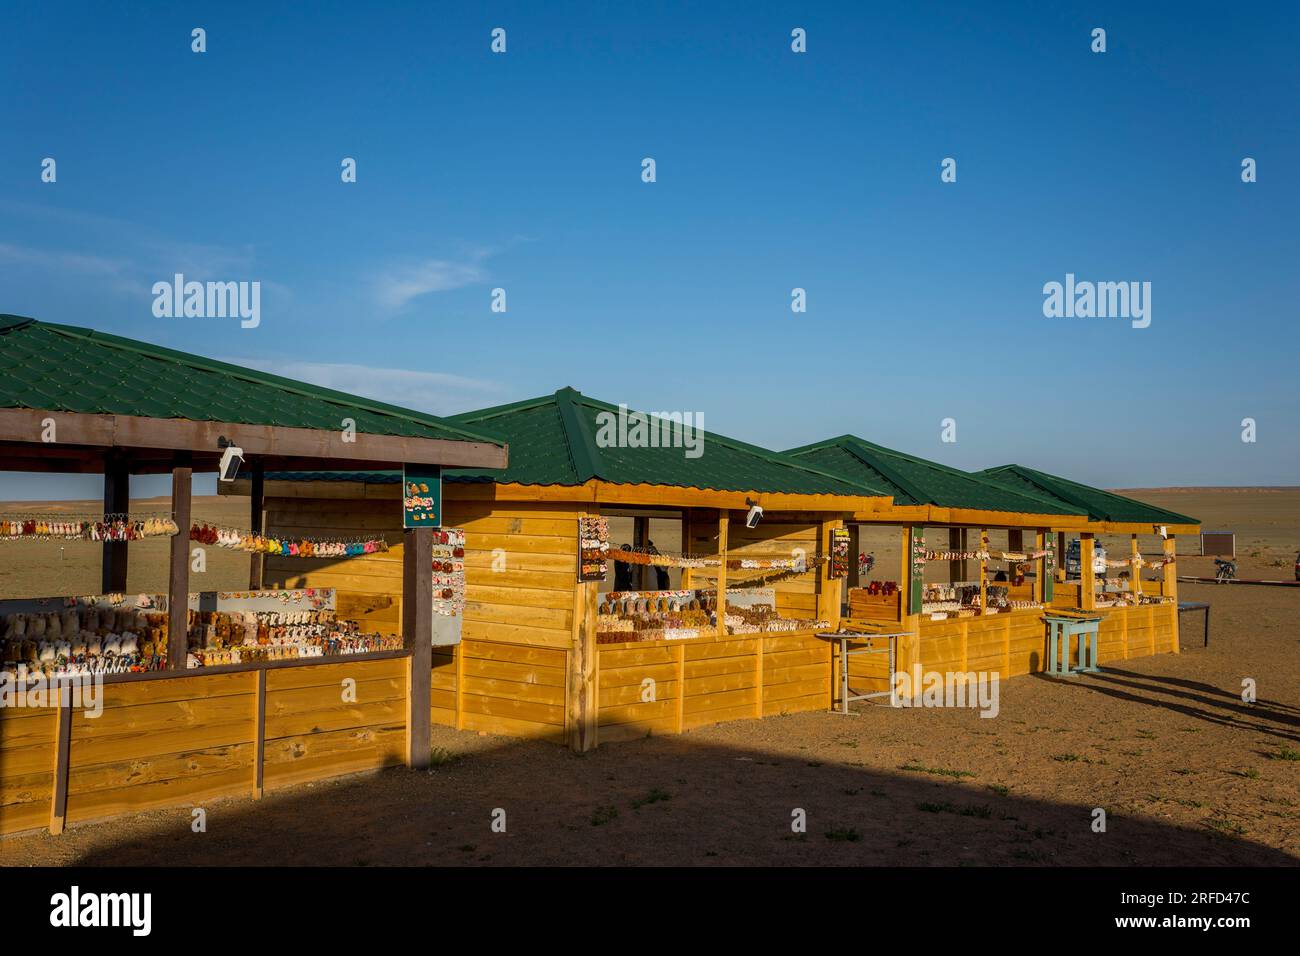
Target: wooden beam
[
  {"x": 178, "y": 584},
  {"x": 129, "y": 431},
  {"x": 117, "y": 500},
  {"x": 417, "y": 636},
  {"x": 256, "y": 519}
]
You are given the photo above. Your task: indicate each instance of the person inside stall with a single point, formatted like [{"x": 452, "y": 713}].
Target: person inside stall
[
  {"x": 623, "y": 572},
  {"x": 661, "y": 573}
]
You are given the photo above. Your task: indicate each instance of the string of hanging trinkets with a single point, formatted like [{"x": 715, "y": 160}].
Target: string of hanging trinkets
[
  {"x": 109, "y": 527},
  {"x": 236, "y": 539},
  {"x": 660, "y": 559}
]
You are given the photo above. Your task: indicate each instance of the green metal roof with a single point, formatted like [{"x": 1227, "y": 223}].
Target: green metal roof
[
  {"x": 553, "y": 441},
  {"x": 62, "y": 368},
  {"x": 917, "y": 481},
  {"x": 1100, "y": 505}
]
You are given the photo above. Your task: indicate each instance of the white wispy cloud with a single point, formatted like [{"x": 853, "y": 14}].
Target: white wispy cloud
[
  {"x": 83, "y": 263},
  {"x": 398, "y": 285},
  {"x": 437, "y": 393}
]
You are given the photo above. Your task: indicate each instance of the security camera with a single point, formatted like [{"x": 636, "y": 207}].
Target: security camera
[
  {"x": 232, "y": 459},
  {"x": 755, "y": 514}
]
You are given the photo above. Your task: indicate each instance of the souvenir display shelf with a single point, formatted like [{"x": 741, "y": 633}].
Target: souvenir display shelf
[
  {"x": 635, "y": 616},
  {"x": 244, "y": 627},
  {"x": 961, "y": 600},
  {"x": 128, "y": 634},
  {"x": 70, "y": 636}
]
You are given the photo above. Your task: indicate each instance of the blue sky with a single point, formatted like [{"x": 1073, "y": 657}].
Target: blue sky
[{"x": 775, "y": 170}]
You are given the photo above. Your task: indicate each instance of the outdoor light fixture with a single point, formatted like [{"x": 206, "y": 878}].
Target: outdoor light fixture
[
  {"x": 1160, "y": 530},
  {"x": 232, "y": 459},
  {"x": 755, "y": 514}
]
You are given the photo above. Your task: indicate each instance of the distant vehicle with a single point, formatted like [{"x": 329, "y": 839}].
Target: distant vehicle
[{"x": 1224, "y": 571}]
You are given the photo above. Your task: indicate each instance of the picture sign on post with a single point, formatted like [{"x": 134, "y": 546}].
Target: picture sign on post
[
  {"x": 916, "y": 580},
  {"x": 421, "y": 496}
]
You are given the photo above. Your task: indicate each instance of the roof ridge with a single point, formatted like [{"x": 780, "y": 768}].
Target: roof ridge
[
  {"x": 1042, "y": 479},
  {"x": 570, "y": 397},
  {"x": 251, "y": 376},
  {"x": 584, "y": 453},
  {"x": 890, "y": 474},
  {"x": 767, "y": 454}
]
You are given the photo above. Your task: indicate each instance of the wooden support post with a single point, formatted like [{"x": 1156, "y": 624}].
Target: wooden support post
[
  {"x": 829, "y": 590},
  {"x": 688, "y": 574},
  {"x": 583, "y": 664},
  {"x": 1135, "y": 569},
  {"x": 1040, "y": 576},
  {"x": 909, "y": 646},
  {"x": 855, "y": 549},
  {"x": 1015, "y": 539},
  {"x": 1060, "y": 556},
  {"x": 640, "y": 538},
  {"x": 680, "y": 721},
  {"x": 459, "y": 651},
  {"x": 417, "y": 634},
  {"x": 259, "y": 755},
  {"x": 178, "y": 586},
  {"x": 724, "y": 521},
  {"x": 1087, "y": 577},
  {"x": 1170, "y": 550},
  {"x": 117, "y": 500},
  {"x": 956, "y": 567},
  {"x": 62, "y": 755},
  {"x": 583, "y": 701},
  {"x": 256, "y": 523},
  {"x": 984, "y": 572}
]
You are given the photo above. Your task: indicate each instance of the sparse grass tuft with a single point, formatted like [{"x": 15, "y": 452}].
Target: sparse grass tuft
[
  {"x": 843, "y": 835},
  {"x": 654, "y": 796},
  {"x": 936, "y": 771}
]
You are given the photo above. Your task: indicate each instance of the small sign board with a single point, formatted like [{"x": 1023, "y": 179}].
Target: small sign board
[
  {"x": 421, "y": 496},
  {"x": 916, "y": 577}
]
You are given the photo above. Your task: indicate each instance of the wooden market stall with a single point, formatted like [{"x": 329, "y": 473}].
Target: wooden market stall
[
  {"x": 548, "y": 648},
  {"x": 966, "y": 604},
  {"x": 314, "y": 693},
  {"x": 1140, "y": 607}
]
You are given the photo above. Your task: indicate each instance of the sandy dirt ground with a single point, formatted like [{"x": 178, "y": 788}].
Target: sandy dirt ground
[{"x": 1186, "y": 772}]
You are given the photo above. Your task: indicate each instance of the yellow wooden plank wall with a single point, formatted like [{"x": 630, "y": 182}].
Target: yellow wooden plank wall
[
  {"x": 521, "y": 567},
  {"x": 162, "y": 743},
  {"x": 509, "y": 689},
  {"x": 313, "y": 732},
  {"x": 185, "y": 740},
  {"x": 369, "y": 586},
  {"x": 27, "y": 757},
  {"x": 708, "y": 681}
]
